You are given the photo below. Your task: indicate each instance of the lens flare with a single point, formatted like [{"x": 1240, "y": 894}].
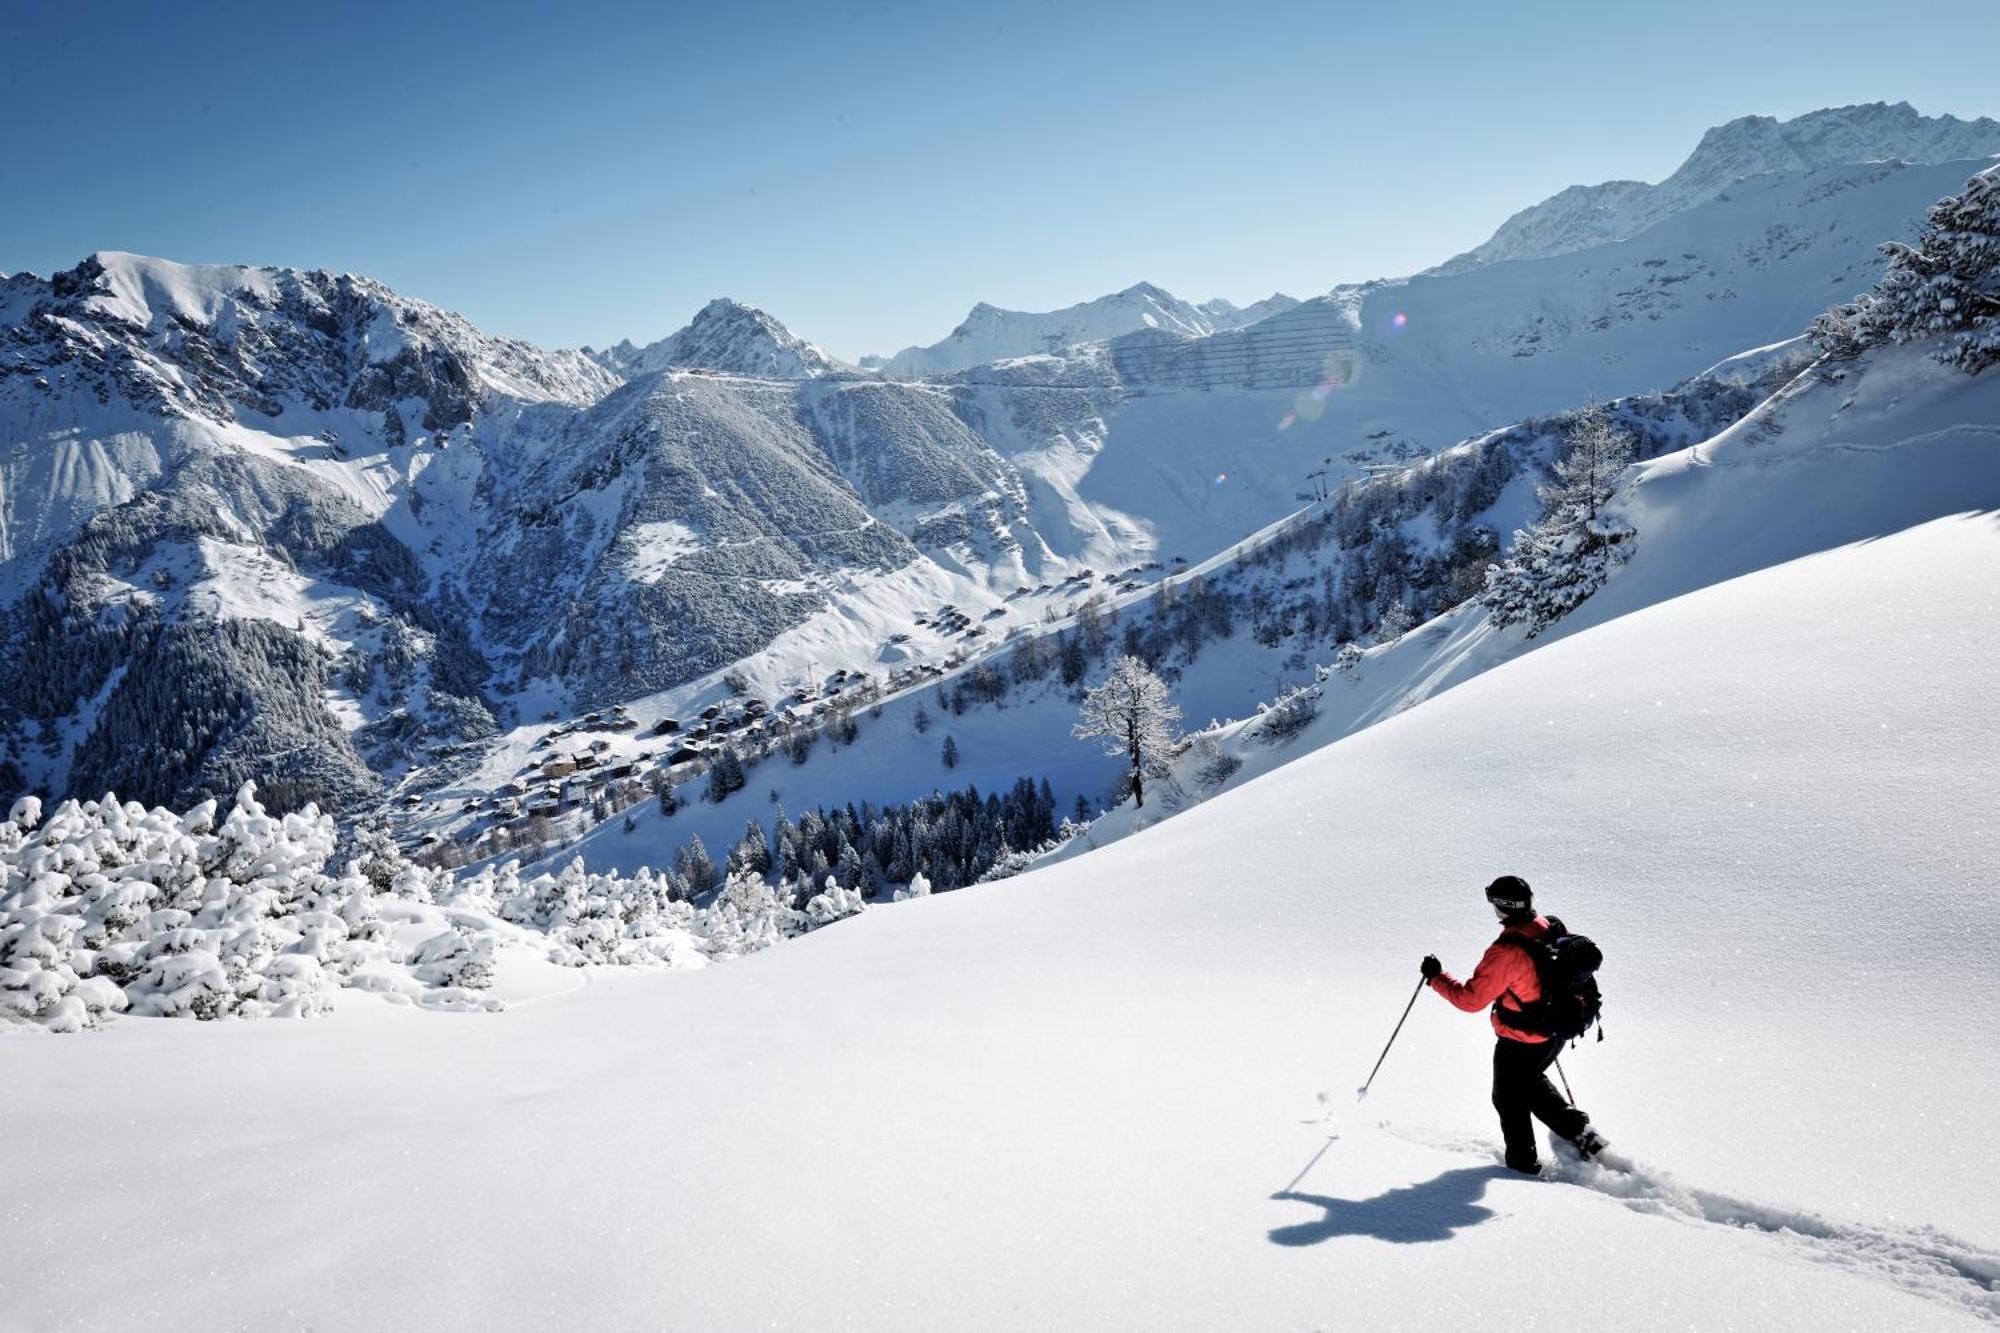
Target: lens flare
[
  {"x": 1221, "y": 477},
  {"x": 1400, "y": 319},
  {"x": 1286, "y": 424}
]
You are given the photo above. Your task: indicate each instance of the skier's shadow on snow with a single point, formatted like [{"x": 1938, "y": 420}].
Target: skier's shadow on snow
[{"x": 1407, "y": 1215}]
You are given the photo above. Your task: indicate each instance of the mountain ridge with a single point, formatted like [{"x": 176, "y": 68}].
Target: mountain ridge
[
  {"x": 1581, "y": 216},
  {"x": 990, "y": 333}
]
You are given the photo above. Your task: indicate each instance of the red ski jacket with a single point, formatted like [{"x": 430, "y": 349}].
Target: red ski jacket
[{"x": 1505, "y": 979}]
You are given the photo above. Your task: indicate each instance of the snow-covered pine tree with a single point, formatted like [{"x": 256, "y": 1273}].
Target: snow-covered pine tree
[
  {"x": 1947, "y": 286},
  {"x": 751, "y": 852},
  {"x": 693, "y": 864},
  {"x": 1130, "y": 711},
  {"x": 950, "y": 753},
  {"x": 1569, "y": 552},
  {"x": 1397, "y": 621}
]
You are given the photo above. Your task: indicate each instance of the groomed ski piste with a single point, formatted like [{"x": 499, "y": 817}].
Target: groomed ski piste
[{"x": 1118, "y": 1091}]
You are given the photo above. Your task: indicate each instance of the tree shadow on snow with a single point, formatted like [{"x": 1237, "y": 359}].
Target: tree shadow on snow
[{"x": 1407, "y": 1215}]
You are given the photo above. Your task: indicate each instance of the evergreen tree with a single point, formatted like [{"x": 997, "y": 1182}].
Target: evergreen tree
[
  {"x": 1946, "y": 285},
  {"x": 1396, "y": 622},
  {"x": 1568, "y": 554},
  {"x": 751, "y": 853},
  {"x": 950, "y": 753},
  {"x": 725, "y": 774},
  {"x": 693, "y": 865}
]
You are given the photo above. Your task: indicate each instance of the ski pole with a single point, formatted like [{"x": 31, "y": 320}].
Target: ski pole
[
  {"x": 1392, "y": 1039},
  {"x": 1565, "y": 1078}
]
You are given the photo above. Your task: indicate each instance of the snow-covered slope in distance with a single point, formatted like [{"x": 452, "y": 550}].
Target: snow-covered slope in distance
[
  {"x": 989, "y": 333},
  {"x": 1846, "y": 453},
  {"x": 1586, "y": 215},
  {"x": 1090, "y": 1096},
  {"x": 1209, "y": 438}
]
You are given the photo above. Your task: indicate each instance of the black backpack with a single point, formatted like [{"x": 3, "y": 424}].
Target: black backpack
[{"x": 1566, "y": 965}]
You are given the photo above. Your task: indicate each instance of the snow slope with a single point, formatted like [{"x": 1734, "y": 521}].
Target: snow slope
[
  {"x": 1586, "y": 215},
  {"x": 1847, "y": 452},
  {"x": 1087, "y": 1097}
]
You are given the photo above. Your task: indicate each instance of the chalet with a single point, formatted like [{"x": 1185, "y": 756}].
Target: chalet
[
  {"x": 599, "y": 746},
  {"x": 666, "y": 726},
  {"x": 686, "y": 754},
  {"x": 617, "y": 769},
  {"x": 712, "y": 712},
  {"x": 586, "y": 760}
]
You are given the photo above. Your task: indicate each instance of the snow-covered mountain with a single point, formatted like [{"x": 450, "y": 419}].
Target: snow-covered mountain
[
  {"x": 334, "y": 472},
  {"x": 1717, "y": 785},
  {"x": 728, "y": 338},
  {"x": 992, "y": 334},
  {"x": 307, "y": 483},
  {"x": 1586, "y": 215}
]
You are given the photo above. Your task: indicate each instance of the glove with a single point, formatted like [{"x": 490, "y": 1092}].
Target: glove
[{"x": 1431, "y": 967}]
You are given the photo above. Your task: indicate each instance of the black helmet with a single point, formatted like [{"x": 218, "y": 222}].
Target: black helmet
[{"x": 1511, "y": 893}]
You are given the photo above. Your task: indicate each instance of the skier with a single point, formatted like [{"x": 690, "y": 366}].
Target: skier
[{"x": 1506, "y": 979}]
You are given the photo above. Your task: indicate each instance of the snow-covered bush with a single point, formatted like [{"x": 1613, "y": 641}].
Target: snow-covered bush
[
  {"x": 832, "y": 903},
  {"x": 1946, "y": 286},
  {"x": 746, "y": 916},
  {"x": 109, "y": 907},
  {"x": 1288, "y": 714}
]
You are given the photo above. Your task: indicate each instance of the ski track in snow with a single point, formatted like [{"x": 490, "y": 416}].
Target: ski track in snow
[{"x": 1922, "y": 1260}]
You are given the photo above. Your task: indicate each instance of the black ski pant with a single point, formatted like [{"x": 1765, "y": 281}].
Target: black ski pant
[{"x": 1521, "y": 1089}]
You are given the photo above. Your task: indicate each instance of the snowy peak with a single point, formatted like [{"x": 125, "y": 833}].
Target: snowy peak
[
  {"x": 212, "y": 339},
  {"x": 1228, "y": 315},
  {"x": 989, "y": 333},
  {"x": 731, "y": 338},
  {"x": 144, "y": 292},
  {"x": 1586, "y": 215},
  {"x": 1877, "y": 131}
]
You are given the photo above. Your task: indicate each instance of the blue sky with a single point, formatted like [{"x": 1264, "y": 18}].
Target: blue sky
[{"x": 584, "y": 172}]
